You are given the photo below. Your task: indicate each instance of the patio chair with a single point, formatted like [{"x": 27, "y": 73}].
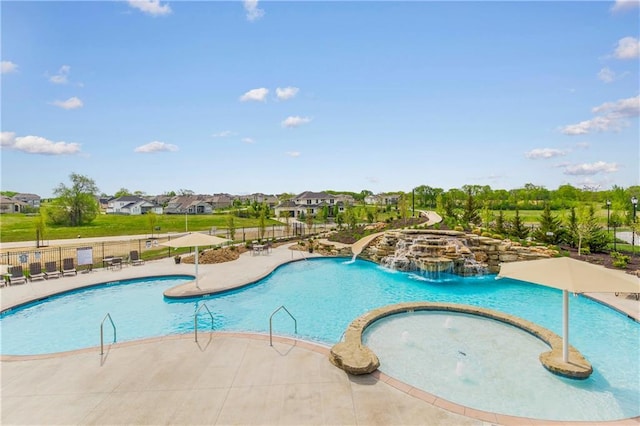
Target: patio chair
[
  {"x": 17, "y": 276},
  {"x": 35, "y": 271},
  {"x": 134, "y": 258},
  {"x": 68, "y": 267},
  {"x": 51, "y": 270}
]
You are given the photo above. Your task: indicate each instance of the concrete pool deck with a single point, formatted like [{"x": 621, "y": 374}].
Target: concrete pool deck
[{"x": 225, "y": 378}]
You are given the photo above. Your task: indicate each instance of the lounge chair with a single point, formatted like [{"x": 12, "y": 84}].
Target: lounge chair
[
  {"x": 17, "y": 276},
  {"x": 134, "y": 258},
  {"x": 68, "y": 267},
  {"x": 35, "y": 271},
  {"x": 51, "y": 270}
]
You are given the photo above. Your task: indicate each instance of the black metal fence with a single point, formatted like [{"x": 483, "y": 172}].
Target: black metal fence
[{"x": 90, "y": 255}]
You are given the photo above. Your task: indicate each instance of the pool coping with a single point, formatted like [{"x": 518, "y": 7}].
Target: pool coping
[{"x": 354, "y": 357}]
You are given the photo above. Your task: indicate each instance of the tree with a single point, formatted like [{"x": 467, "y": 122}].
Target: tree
[
  {"x": 75, "y": 205},
  {"x": 40, "y": 225},
  {"x": 122, "y": 192},
  {"x": 518, "y": 228},
  {"x": 262, "y": 223},
  {"x": 500, "y": 224},
  {"x": 470, "y": 213},
  {"x": 152, "y": 219},
  {"x": 550, "y": 230},
  {"x": 309, "y": 222},
  {"x": 231, "y": 226}
]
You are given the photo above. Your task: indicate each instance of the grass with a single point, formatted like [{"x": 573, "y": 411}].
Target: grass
[{"x": 20, "y": 227}]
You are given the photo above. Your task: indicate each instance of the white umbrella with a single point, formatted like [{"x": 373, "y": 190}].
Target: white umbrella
[
  {"x": 196, "y": 240},
  {"x": 573, "y": 275}
]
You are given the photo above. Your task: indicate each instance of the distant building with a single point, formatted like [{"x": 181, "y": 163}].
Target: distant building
[
  {"x": 31, "y": 200},
  {"x": 309, "y": 203},
  {"x": 10, "y": 205},
  {"x": 188, "y": 204},
  {"x": 382, "y": 199},
  {"x": 132, "y": 205}
]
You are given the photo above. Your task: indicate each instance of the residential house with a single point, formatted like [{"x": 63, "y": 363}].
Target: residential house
[
  {"x": 132, "y": 205},
  {"x": 220, "y": 201},
  {"x": 10, "y": 205},
  {"x": 383, "y": 199},
  {"x": 31, "y": 200},
  {"x": 309, "y": 203},
  {"x": 188, "y": 204}
]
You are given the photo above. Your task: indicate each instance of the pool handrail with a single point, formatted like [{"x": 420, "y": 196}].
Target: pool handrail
[
  {"x": 195, "y": 319},
  {"x": 295, "y": 323},
  {"x": 102, "y": 332}
]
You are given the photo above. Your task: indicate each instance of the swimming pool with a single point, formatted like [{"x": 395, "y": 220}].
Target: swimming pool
[{"x": 324, "y": 295}]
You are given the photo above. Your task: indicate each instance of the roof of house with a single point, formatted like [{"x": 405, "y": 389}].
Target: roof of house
[{"x": 311, "y": 194}]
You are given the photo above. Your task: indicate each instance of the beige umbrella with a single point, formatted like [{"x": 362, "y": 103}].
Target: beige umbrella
[
  {"x": 573, "y": 275},
  {"x": 196, "y": 240}
]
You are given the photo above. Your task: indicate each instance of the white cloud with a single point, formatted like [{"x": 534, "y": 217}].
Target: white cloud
[
  {"x": 62, "y": 76},
  {"x": 223, "y": 134},
  {"x": 156, "y": 146},
  {"x": 253, "y": 12},
  {"x": 248, "y": 140},
  {"x": 294, "y": 154},
  {"x": 7, "y": 67},
  {"x": 612, "y": 116},
  {"x": 590, "y": 169},
  {"x": 628, "y": 48},
  {"x": 71, "y": 103},
  {"x": 372, "y": 179},
  {"x": 623, "y": 5},
  {"x": 607, "y": 75},
  {"x": 37, "y": 145},
  {"x": 150, "y": 7},
  {"x": 286, "y": 93},
  {"x": 544, "y": 153},
  {"x": 295, "y": 121},
  {"x": 255, "y": 95}
]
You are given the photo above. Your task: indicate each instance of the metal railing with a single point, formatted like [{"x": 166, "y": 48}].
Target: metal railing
[
  {"x": 102, "y": 332},
  {"x": 195, "y": 318},
  {"x": 295, "y": 323}
]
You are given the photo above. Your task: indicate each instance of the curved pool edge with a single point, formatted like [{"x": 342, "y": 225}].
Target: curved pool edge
[
  {"x": 62, "y": 292},
  {"x": 352, "y": 356},
  {"x": 431, "y": 399}
]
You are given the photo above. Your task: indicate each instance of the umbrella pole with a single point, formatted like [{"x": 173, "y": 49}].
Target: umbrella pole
[
  {"x": 565, "y": 326},
  {"x": 197, "y": 286}
]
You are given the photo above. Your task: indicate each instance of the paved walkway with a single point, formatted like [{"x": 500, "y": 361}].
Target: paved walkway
[{"x": 225, "y": 378}]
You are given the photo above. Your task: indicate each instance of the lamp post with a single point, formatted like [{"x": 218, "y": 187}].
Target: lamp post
[
  {"x": 634, "y": 201},
  {"x": 608, "y": 221}
]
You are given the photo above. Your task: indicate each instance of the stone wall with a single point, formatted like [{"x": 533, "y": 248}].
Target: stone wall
[{"x": 437, "y": 250}]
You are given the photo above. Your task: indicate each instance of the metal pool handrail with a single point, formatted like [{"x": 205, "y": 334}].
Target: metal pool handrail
[
  {"x": 195, "y": 318},
  {"x": 295, "y": 323},
  {"x": 102, "y": 332}
]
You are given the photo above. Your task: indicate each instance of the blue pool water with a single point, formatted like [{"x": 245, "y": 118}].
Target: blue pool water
[{"x": 325, "y": 295}]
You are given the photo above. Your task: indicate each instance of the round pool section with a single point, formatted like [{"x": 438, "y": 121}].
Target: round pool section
[
  {"x": 72, "y": 320},
  {"x": 488, "y": 365}
]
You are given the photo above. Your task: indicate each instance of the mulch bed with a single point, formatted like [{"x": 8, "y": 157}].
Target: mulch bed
[{"x": 604, "y": 259}]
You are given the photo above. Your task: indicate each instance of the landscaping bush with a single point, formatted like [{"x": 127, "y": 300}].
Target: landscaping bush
[{"x": 620, "y": 260}]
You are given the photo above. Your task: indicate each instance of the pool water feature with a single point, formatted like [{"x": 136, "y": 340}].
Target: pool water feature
[{"x": 325, "y": 295}]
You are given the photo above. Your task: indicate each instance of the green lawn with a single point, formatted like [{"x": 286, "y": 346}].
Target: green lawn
[{"x": 20, "y": 227}]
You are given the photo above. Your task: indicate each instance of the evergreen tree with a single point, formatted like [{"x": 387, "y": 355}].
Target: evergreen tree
[
  {"x": 550, "y": 230},
  {"x": 571, "y": 233},
  {"x": 470, "y": 214},
  {"x": 518, "y": 229},
  {"x": 595, "y": 237},
  {"x": 500, "y": 224}
]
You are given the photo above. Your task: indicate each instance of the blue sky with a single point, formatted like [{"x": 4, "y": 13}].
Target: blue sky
[{"x": 244, "y": 97}]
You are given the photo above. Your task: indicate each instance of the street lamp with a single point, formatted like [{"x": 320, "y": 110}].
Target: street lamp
[
  {"x": 634, "y": 201},
  {"x": 608, "y": 222}
]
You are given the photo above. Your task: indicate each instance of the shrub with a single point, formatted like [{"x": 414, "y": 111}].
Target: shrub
[
  {"x": 585, "y": 250},
  {"x": 458, "y": 228},
  {"x": 486, "y": 234},
  {"x": 620, "y": 260}
]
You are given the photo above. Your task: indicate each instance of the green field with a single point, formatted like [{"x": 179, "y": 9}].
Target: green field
[{"x": 20, "y": 227}]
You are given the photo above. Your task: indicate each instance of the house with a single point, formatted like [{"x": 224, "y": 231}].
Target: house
[
  {"x": 132, "y": 205},
  {"x": 220, "y": 201},
  {"x": 309, "y": 203},
  {"x": 32, "y": 200},
  {"x": 10, "y": 205},
  {"x": 258, "y": 197},
  {"x": 189, "y": 204},
  {"x": 383, "y": 199}
]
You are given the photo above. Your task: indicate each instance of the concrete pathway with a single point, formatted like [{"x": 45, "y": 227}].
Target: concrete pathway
[{"x": 225, "y": 378}]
